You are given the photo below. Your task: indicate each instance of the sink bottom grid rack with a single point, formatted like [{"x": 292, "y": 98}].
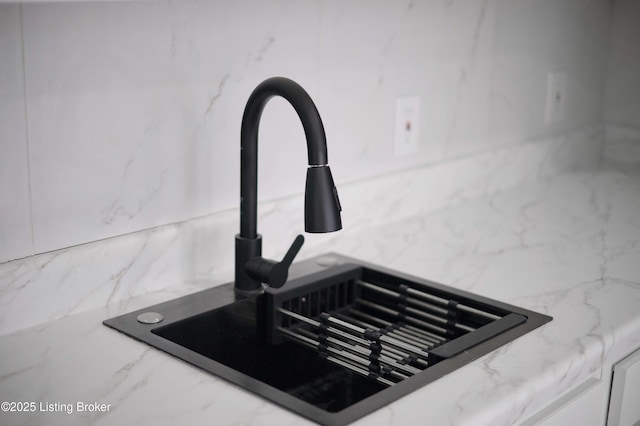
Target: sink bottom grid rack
[{"x": 381, "y": 326}]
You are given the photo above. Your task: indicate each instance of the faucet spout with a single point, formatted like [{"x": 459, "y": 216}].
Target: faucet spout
[{"x": 322, "y": 206}]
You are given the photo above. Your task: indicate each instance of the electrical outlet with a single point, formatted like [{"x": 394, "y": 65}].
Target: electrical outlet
[
  {"x": 556, "y": 97},
  {"x": 407, "y": 126}
]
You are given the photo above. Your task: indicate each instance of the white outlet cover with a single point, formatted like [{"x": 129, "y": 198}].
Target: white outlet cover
[
  {"x": 407, "y": 126},
  {"x": 556, "y": 97}
]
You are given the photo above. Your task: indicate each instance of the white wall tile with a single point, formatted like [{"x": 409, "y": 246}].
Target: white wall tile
[
  {"x": 622, "y": 99},
  {"x": 15, "y": 217},
  {"x": 438, "y": 51},
  {"x": 134, "y": 108},
  {"x": 534, "y": 39}
]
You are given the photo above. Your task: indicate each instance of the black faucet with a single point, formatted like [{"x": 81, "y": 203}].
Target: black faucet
[{"x": 322, "y": 206}]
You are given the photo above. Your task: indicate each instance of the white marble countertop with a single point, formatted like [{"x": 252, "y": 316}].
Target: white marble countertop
[{"x": 567, "y": 246}]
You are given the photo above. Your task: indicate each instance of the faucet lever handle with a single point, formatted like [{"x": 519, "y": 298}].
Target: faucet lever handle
[
  {"x": 293, "y": 251},
  {"x": 274, "y": 273}
]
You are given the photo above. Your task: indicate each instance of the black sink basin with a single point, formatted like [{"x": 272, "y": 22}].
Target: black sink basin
[
  {"x": 232, "y": 340},
  {"x": 335, "y": 343}
]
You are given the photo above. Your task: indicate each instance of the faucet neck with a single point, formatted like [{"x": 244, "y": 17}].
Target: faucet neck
[
  {"x": 248, "y": 241},
  {"x": 313, "y": 128}
]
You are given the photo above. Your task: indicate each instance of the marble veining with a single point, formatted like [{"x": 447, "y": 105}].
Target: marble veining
[{"x": 565, "y": 245}]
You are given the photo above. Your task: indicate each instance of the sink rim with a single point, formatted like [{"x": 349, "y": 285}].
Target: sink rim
[{"x": 213, "y": 298}]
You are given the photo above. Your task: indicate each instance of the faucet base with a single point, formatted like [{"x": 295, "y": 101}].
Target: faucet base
[{"x": 246, "y": 249}]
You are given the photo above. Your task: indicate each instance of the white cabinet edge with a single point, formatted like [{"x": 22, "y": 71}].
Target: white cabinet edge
[
  {"x": 588, "y": 397},
  {"x": 618, "y": 388}
]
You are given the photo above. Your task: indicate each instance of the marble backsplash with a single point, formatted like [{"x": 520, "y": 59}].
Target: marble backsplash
[
  {"x": 119, "y": 126},
  {"x": 121, "y": 116},
  {"x": 194, "y": 254}
]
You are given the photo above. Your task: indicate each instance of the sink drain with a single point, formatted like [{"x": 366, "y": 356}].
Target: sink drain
[{"x": 150, "y": 318}]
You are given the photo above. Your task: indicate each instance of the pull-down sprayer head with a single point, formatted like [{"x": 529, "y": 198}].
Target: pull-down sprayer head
[{"x": 321, "y": 203}]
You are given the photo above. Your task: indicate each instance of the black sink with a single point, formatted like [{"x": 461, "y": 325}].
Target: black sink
[{"x": 303, "y": 346}]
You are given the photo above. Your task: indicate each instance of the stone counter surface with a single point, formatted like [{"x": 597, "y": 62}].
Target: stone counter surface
[{"x": 566, "y": 246}]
